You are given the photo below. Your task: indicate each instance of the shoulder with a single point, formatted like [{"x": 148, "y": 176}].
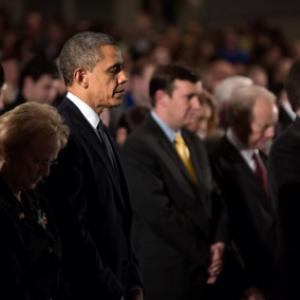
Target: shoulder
[{"x": 289, "y": 140}]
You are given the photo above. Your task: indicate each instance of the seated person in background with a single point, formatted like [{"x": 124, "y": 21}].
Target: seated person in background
[
  {"x": 37, "y": 83},
  {"x": 208, "y": 121},
  {"x": 129, "y": 121},
  {"x": 203, "y": 117},
  {"x": 31, "y": 135}
]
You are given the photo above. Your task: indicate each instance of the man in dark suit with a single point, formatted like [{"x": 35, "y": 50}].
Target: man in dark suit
[
  {"x": 284, "y": 167},
  {"x": 88, "y": 188},
  {"x": 238, "y": 166},
  {"x": 179, "y": 244}
]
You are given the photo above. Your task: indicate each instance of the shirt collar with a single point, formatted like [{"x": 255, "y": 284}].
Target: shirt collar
[
  {"x": 242, "y": 148},
  {"x": 91, "y": 116},
  {"x": 169, "y": 132}
]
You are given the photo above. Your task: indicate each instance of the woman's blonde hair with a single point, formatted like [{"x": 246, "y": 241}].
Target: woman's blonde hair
[{"x": 20, "y": 125}]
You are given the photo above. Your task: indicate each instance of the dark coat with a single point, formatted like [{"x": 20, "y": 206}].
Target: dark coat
[
  {"x": 173, "y": 223},
  {"x": 30, "y": 254},
  {"x": 253, "y": 223},
  {"x": 284, "y": 166},
  {"x": 91, "y": 204}
]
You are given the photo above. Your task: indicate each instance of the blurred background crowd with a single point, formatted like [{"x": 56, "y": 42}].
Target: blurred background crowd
[{"x": 156, "y": 35}]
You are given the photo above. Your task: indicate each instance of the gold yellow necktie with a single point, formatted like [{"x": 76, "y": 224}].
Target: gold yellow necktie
[{"x": 184, "y": 154}]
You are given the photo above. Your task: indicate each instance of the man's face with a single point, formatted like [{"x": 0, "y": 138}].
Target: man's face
[
  {"x": 40, "y": 90},
  {"x": 264, "y": 118},
  {"x": 178, "y": 104},
  {"x": 107, "y": 81}
]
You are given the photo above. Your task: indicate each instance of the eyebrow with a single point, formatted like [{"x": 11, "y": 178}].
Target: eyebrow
[
  {"x": 118, "y": 66},
  {"x": 191, "y": 95}
]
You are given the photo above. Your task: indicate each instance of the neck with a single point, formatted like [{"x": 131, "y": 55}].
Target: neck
[{"x": 164, "y": 117}]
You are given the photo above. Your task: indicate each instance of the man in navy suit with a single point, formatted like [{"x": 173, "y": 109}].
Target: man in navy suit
[
  {"x": 88, "y": 188},
  {"x": 178, "y": 240}
]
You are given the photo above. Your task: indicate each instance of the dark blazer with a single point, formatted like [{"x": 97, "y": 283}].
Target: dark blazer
[
  {"x": 252, "y": 216},
  {"x": 91, "y": 204},
  {"x": 284, "y": 120},
  {"x": 284, "y": 166},
  {"x": 172, "y": 217},
  {"x": 30, "y": 254}
]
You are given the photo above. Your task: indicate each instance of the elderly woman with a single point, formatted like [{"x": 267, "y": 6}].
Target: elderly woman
[{"x": 31, "y": 136}]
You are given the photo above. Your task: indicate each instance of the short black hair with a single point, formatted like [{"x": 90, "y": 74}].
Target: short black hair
[
  {"x": 292, "y": 86},
  {"x": 164, "y": 77},
  {"x": 133, "y": 118},
  {"x": 36, "y": 68},
  {"x": 2, "y": 78}
]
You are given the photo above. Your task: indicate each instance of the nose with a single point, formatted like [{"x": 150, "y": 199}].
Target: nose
[
  {"x": 45, "y": 169},
  {"x": 269, "y": 133},
  {"x": 195, "y": 104},
  {"x": 122, "y": 78}
]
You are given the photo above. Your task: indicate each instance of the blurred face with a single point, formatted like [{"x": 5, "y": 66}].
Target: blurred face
[
  {"x": 265, "y": 116},
  {"x": 107, "y": 81},
  {"x": 41, "y": 90},
  {"x": 140, "y": 86},
  {"x": 194, "y": 113},
  {"x": 121, "y": 136},
  {"x": 33, "y": 164},
  {"x": 204, "y": 120},
  {"x": 179, "y": 103}
]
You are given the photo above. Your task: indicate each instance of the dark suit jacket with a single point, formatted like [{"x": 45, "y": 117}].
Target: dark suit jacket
[
  {"x": 284, "y": 165},
  {"x": 284, "y": 121},
  {"x": 252, "y": 215},
  {"x": 173, "y": 217},
  {"x": 30, "y": 254},
  {"x": 91, "y": 204}
]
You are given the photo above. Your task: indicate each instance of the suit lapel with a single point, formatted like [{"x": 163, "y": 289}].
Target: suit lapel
[
  {"x": 242, "y": 169},
  {"x": 170, "y": 149},
  {"x": 89, "y": 135},
  {"x": 189, "y": 197}
]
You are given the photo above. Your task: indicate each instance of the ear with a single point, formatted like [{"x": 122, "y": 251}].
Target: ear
[
  {"x": 28, "y": 81},
  {"x": 161, "y": 97},
  {"x": 80, "y": 77}
]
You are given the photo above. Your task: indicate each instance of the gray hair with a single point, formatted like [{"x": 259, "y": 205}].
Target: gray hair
[
  {"x": 223, "y": 91},
  {"x": 26, "y": 121},
  {"x": 82, "y": 51},
  {"x": 243, "y": 100}
]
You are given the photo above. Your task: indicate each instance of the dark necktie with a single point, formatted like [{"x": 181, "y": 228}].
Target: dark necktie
[
  {"x": 106, "y": 143},
  {"x": 261, "y": 173}
]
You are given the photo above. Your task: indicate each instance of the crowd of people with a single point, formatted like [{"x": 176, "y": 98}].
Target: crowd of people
[{"x": 148, "y": 164}]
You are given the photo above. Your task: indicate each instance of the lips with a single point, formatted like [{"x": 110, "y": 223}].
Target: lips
[{"x": 119, "y": 94}]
